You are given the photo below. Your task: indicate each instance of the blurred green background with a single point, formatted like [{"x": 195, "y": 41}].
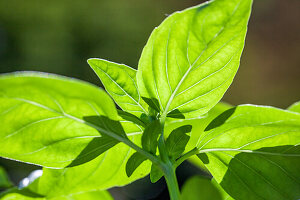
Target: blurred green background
[{"x": 58, "y": 36}]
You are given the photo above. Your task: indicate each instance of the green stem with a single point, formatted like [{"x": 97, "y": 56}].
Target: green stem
[
  {"x": 168, "y": 167},
  {"x": 171, "y": 179}
]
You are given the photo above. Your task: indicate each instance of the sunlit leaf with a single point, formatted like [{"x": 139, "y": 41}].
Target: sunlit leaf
[
  {"x": 120, "y": 82},
  {"x": 44, "y": 116},
  {"x": 295, "y": 107},
  {"x": 253, "y": 152},
  {"x": 101, "y": 173},
  {"x": 190, "y": 60}
]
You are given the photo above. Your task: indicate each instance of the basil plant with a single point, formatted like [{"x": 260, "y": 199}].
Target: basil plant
[{"x": 168, "y": 113}]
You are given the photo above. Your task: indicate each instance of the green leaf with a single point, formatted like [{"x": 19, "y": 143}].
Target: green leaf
[
  {"x": 295, "y": 107},
  {"x": 155, "y": 173},
  {"x": 4, "y": 180},
  {"x": 133, "y": 162},
  {"x": 225, "y": 196},
  {"x": 92, "y": 195},
  {"x": 199, "y": 188},
  {"x": 176, "y": 114},
  {"x": 198, "y": 124},
  {"x": 120, "y": 82},
  {"x": 106, "y": 171},
  {"x": 43, "y": 117},
  {"x": 25, "y": 194},
  {"x": 150, "y": 135},
  {"x": 132, "y": 118},
  {"x": 253, "y": 152},
  {"x": 177, "y": 140},
  {"x": 153, "y": 103},
  {"x": 190, "y": 60},
  {"x": 198, "y": 128}
]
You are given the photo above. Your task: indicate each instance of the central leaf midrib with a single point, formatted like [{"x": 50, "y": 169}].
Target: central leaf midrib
[
  {"x": 191, "y": 66},
  {"x": 122, "y": 89}
]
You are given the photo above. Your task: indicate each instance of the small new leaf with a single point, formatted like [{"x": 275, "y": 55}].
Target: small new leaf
[
  {"x": 153, "y": 103},
  {"x": 177, "y": 141},
  {"x": 130, "y": 117},
  {"x": 150, "y": 135},
  {"x": 120, "y": 82},
  {"x": 176, "y": 114},
  {"x": 133, "y": 162},
  {"x": 155, "y": 173}
]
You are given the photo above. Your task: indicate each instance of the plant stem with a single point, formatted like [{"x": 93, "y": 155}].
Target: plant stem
[
  {"x": 171, "y": 179},
  {"x": 168, "y": 167}
]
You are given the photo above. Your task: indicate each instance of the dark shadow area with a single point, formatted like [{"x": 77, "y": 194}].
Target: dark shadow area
[
  {"x": 153, "y": 103},
  {"x": 176, "y": 114},
  {"x": 94, "y": 149},
  {"x": 221, "y": 119},
  {"x": 99, "y": 145}
]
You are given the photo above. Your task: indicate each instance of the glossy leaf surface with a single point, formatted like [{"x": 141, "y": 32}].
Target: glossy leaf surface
[
  {"x": 120, "y": 82},
  {"x": 190, "y": 60},
  {"x": 253, "y": 152},
  {"x": 43, "y": 115}
]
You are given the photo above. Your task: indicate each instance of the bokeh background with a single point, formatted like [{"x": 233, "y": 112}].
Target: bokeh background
[{"x": 58, "y": 36}]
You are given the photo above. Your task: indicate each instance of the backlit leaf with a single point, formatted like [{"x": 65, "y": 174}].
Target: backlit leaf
[
  {"x": 190, "y": 60},
  {"x": 253, "y": 152},
  {"x": 42, "y": 118},
  {"x": 120, "y": 82}
]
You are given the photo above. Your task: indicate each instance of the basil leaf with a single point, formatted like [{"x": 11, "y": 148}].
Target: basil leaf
[
  {"x": 177, "y": 141},
  {"x": 132, "y": 118},
  {"x": 153, "y": 103},
  {"x": 43, "y": 117},
  {"x": 199, "y": 188},
  {"x": 150, "y": 135},
  {"x": 4, "y": 180},
  {"x": 295, "y": 107},
  {"x": 133, "y": 162},
  {"x": 120, "y": 82},
  {"x": 155, "y": 173},
  {"x": 190, "y": 60},
  {"x": 25, "y": 194},
  {"x": 225, "y": 196},
  {"x": 253, "y": 152},
  {"x": 198, "y": 124},
  {"x": 176, "y": 114},
  {"x": 101, "y": 173}
]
